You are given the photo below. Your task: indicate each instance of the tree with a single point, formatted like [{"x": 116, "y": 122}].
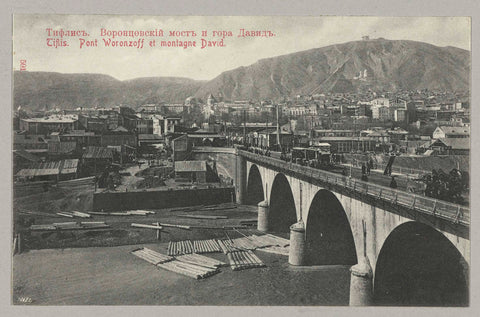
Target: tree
[{"x": 448, "y": 187}]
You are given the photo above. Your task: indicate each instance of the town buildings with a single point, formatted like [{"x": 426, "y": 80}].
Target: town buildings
[{"x": 350, "y": 122}]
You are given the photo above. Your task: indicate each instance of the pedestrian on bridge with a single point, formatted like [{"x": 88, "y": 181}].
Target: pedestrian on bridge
[{"x": 393, "y": 183}]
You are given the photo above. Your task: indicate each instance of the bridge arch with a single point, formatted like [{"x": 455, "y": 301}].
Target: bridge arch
[
  {"x": 418, "y": 266},
  {"x": 255, "y": 192},
  {"x": 328, "y": 233},
  {"x": 282, "y": 205}
]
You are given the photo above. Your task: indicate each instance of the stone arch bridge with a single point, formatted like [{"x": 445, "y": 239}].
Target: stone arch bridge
[{"x": 406, "y": 249}]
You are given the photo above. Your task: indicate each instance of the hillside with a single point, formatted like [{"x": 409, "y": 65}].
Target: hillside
[
  {"x": 40, "y": 90},
  {"x": 388, "y": 65}
]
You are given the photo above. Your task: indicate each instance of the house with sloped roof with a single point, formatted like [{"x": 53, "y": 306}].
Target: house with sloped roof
[
  {"x": 51, "y": 170},
  {"x": 57, "y": 150},
  {"x": 443, "y": 132},
  {"x": 96, "y": 159},
  {"x": 450, "y": 146},
  {"x": 191, "y": 171}
]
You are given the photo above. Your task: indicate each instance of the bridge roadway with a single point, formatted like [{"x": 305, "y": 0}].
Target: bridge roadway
[
  {"x": 405, "y": 249},
  {"x": 438, "y": 208}
]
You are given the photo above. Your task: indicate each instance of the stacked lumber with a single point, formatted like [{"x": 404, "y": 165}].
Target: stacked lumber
[
  {"x": 174, "y": 226},
  {"x": 241, "y": 260},
  {"x": 65, "y": 214},
  {"x": 203, "y": 217},
  {"x": 73, "y": 214},
  {"x": 70, "y": 226},
  {"x": 141, "y": 225},
  {"x": 240, "y": 244},
  {"x": 81, "y": 214},
  {"x": 246, "y": 243},
  {"x": 273, "y": 244},
  {"x": 196, "y": 266},
  {"x": 201, "y": 260},
  {"x": 267, "y": 243},
  {"x": 276, "y": 249},
  {"x": 226, "y": 246},
  {"x": 67, "y": 225},
  {"x": 270, "y": 239},
  {"x": 151, "y": 256},
  {"x": 94, "y": 225},
  {"x": 133, "y": 213},
  {"x": 125, "y": 213},
  {"x": 206, "y": 246},
  {"x": 180, "y": 247},
  {"x": 188, "y": 269},
  {"x": 141, "y": 212}
]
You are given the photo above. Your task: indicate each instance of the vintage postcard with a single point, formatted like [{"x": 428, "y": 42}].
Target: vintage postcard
[{"x": 245, "y": 161}]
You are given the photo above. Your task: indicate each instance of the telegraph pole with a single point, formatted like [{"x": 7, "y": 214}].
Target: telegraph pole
[
  {"x": 244, "y": 127},
  {"x": 268, "y": 134},
  {"x": 278, "y": 132}
]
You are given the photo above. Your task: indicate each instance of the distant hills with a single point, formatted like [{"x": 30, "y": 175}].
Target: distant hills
[
  {"x": 45, "y": 90},
  {"x": 373, "y": 64}
]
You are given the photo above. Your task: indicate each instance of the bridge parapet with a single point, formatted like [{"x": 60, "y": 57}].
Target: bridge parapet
[{"x": 451, "y": 212}]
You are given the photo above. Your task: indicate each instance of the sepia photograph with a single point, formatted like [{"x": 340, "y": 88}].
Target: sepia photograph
[{"x": 240, "y": 160}]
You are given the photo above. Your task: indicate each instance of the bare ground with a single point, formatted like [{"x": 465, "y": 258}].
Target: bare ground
[{"x": 112, "y": 276}]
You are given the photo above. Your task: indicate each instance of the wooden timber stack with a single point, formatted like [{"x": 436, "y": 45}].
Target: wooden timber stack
[
  {"x": 73, "y": 214},
  {"x": 203, "y": 217},
  {"x": 70, "y": 226},
  {"x": 201, "y": 260},
  {"x": 226, "y": 246},
  {"x": 188, "y": 266},
  {"x": 241, "y": 260},
  {"x": 151, "y": 256},
  {"x": 188, "y": 269},
  {"x": 206, "y": 246},
  {"x": 123, "y": 213},
  {"x": 180, "y": 247},
  {"x": 272, "y": 244}
]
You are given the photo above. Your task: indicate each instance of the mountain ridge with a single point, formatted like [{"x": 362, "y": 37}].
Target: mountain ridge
[{"x": 388, "y": 65}]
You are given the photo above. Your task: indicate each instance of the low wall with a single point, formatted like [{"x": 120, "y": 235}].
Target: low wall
[{"x": 161, "y": 199}]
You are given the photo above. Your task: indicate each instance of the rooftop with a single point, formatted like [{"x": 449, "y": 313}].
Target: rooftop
[
  {"x": 455, "y": 130},
  {"x": 190, "y": 166},
  {"x": 98, "y": 152},
  {"x": 50, "y": 168},
  {"x": 54, "y": 119},
  {"x": 62, "y": 147},
  {"x": 454, "y": 143},
  {"x": 77, "y": 133}
]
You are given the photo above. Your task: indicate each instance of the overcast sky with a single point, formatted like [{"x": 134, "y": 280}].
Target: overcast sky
[{"x": 292, "y": 34}]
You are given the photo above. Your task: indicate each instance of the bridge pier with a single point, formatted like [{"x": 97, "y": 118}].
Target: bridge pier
[
  {"x": 296, "y": 255},
  {"x": 361, "y": 283},
  {"x": 263, "y": 210},
  {"x": 241, "y": 179}
]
